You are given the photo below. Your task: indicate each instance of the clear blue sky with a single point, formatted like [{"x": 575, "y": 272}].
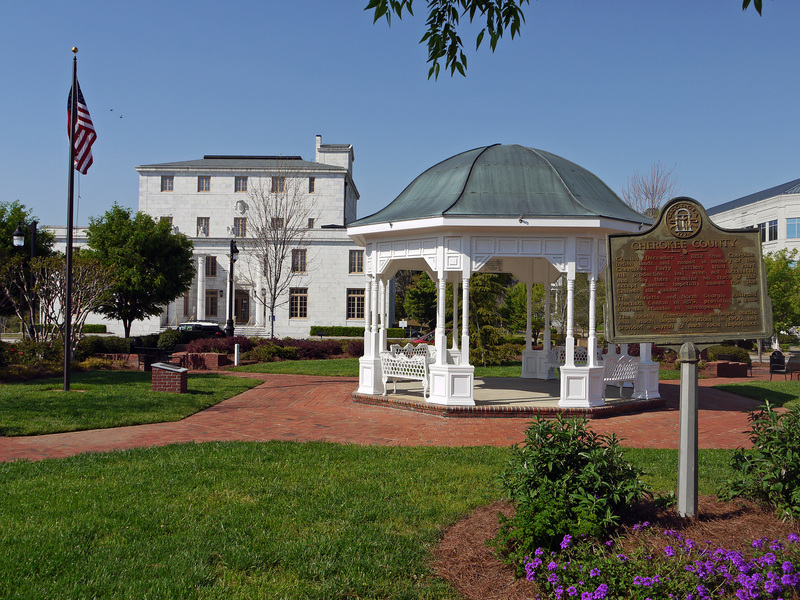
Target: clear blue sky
[{"x": 614, "y": 86}]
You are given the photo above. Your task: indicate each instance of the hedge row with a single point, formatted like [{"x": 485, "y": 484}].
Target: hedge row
[{"x": 336, "y": 331}]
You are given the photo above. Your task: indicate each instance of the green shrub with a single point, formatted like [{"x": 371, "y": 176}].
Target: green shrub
[
  {"x": 93, "y": 328},
  {"x": 564, "y": 479},
  {"x": 770, "y": 471},
  {"x": 714, "y": 352},
  {"x": 169, "y": 338},
  {"x": 93, "y": 345},
  {"x": 268, "y": 352},
  {"x": 95, "y": 363},
  {"x": 6, "y": 352},
  {"x": 338, "y": 331},
  {"x": 31, "y": 353}
]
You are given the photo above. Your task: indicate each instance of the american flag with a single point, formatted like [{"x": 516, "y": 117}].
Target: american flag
[{"x": 84, "y": 133}]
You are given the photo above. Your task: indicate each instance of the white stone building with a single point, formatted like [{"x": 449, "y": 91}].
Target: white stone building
[
  {"x": 775, "y": 211},
  {"x": 210, "y": 199}
]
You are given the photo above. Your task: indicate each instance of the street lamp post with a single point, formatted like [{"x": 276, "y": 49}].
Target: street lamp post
[
  {"x": 18, "y": 240},
  {"x": 234, "y": 256}
]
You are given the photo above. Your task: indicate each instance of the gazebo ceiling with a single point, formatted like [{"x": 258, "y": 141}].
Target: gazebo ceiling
[{"x": 506, "y": 181}]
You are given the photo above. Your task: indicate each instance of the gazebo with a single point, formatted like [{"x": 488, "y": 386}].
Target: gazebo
[{"x": 505, "y": 209}]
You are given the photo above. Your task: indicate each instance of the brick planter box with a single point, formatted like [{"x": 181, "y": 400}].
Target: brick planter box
[{"x": 169, "y": 378}]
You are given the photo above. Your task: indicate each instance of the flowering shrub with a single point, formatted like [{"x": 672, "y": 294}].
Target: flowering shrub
[
  {"x": 564, "y": 479},
  {"x": 6, "y": 354},
  {"x": 587, "y": 570},
  {"x": 770, "y": 471},
  {"x": 219, "y": 345},
  {"x": 29, "y": 352}
]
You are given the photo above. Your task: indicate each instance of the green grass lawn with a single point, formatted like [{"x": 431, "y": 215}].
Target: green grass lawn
[
  {"x": 252, "y": 520},
  {"x": 778, "y": 393},
  {"x": 101, "y": 399}
]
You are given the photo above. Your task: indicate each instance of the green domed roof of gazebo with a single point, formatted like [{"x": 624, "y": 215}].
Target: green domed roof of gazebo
[{"x": 506, "y": 181}]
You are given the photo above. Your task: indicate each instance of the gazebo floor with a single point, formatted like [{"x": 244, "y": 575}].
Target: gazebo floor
[{"x": 506, "y": 397}]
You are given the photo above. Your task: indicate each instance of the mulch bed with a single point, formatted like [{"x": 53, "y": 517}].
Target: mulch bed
[{"x": 465, "y": 560}]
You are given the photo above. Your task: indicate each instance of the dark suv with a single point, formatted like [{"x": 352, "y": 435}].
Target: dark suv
[{"x": 202, "y": 329}]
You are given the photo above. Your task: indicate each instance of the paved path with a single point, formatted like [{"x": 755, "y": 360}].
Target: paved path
[{"x": 304, "y": 408}]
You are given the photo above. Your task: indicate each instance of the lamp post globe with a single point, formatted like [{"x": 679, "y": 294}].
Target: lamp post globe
[{"x": 18, "y": 237}]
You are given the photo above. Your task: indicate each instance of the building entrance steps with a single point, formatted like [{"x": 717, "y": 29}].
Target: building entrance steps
[{"x": 308, "y": 408}]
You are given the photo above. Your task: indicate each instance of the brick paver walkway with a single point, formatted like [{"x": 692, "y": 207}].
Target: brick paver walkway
[{"x": 303, "y": 408}]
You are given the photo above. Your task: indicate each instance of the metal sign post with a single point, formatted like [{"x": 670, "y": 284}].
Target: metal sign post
[{"x": 685, "y": 283}]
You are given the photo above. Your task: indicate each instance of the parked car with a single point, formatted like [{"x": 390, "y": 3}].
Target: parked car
[
  {"x": 428, "y": 338},
  {"x": 202, "y": 329}
]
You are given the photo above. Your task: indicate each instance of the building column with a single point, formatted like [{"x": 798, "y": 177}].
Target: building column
[
  {"x": 464, "y": 321},
  {"x": 383, "y": 315},
  {"x": 569, "y": 342},
  {"x": 441, "y": 335},
  {"x": 592, "y": 345},
  {"x": 646, "y": 387},
  {"x": 201, "y": 287}
]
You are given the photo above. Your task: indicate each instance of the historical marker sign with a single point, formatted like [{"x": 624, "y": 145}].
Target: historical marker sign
[{"x": 686, "y": 280}]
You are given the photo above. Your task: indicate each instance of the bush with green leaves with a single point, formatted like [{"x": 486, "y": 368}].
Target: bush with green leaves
[
  {"x": 770, "y": 471},
  {"x": 268, "y": 352},
  {"x": 564, "y": 479},
  {"x": 31, "y": 353},
  {"x": 93, "y": 328},
  {"x": 169, "y": 338},
  {"x": 717, "y": 352},
  {"x": 92, "y": 345}
]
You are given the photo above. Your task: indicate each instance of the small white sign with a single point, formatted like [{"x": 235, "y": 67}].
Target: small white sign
[{"x": 403, "y": 324}]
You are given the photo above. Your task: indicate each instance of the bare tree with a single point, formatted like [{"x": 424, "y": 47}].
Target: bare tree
[
  {"x": 647, "y": 192},
  {"x": 44, "y": 288},
  {"x": 280, "y": 216}
]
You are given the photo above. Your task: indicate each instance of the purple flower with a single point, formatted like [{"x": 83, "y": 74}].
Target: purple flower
[
  {"x": 622, "y": 557},
  {"x": 669, "y": 551},
  {"x": 596, "y": 572},
  {"x": 610, "y": 543},
  {"x": 539, "y": 552},
  {"x": 565, "y": 543},
  {"x": 600, "y": 592},
  {"x": 759, "y": 543},
  {"x": 552, "y": 566},
  {"x": 586, "y": 595},
  {"x": 787, "y": 567},
  {"x": 572, "y": 591},
  {"x": 794, "y": 538},
  {"x": 775, "y": 546},
  {"x": 552, "y": 579}
]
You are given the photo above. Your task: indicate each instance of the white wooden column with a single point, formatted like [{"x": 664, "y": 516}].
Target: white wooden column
[
  {"x": 367, "y": 315},
  {"x": 383, "y": 315},
  {"x": 546, "y": 335},
  {"x": 528, "y": 326},
  {"x": 373, "y": 330},
  {"x": 201, "y": 287},
  {"x": 570, "y": 341},
  {"x": 464, "y": 321},
  {"x": 441, "y": 336},
  {"x": 455, "y": 315},
  {"x": 592, "y": 320}
]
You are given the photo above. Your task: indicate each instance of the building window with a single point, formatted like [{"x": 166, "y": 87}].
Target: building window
[
  {"x": 311, "y": 183},
  {"x": 792, "y": 228},
  {"x": 240, "y": 227},
  {"x": 355, "y": 304},
  {"x": 278, "y": 184},
  {"x": 203, "y": 183},
  {"x": 356, "y": 261},
  {"x": 166, "y": 183},
  {"x": 212, "y": 297},
  {"x": 211, "y": 266},
  {"x": 276, "y": 222},
  {"x": 311, "y": 223},
  {"x": 769, "y": 231},
  {"x": 299, "y": 261},
  {"x": 203, "y": 225},
  {"x": 240, "y": 184},
  {"x": 168, "y": 220},
  {"x": 298, "y": 303}
]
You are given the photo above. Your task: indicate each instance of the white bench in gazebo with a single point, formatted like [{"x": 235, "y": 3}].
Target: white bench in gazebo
[
  {"x": 619, "y": 370},
  {"x": 410, "y": 363}
]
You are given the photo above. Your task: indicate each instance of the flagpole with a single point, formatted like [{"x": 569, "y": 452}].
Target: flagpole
[{"x": 73, "y": 118}]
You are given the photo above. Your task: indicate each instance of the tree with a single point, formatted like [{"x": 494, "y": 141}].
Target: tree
[
  {"x": 152, "y": 265},
  {"x": 515, "y": 309},
  {"x": 43, "y": 284},
  {"x": 647, "y": 192},
  {"x": 783, "y": 283},
  {"x": 420, "y": 299},
  {"x": 278, "y": 213},
  {"x": 444, "y": 16},
  {"x": 11, "y": 215}
]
